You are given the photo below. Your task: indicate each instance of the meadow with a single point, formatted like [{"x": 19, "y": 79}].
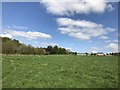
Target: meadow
[{"x": 59, "y": 71}]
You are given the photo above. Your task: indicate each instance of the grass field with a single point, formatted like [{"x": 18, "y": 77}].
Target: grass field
[{"x": 60, "y": 71}]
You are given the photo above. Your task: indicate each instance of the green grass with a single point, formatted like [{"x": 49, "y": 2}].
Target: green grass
[{"x": 63, "y": 71}]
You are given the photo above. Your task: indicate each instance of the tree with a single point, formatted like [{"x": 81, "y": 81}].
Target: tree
[
  {"x": 8, "y": 47},
  {"x": 41, "y": 51},
  {"x": 86, "y": 53},
  {"x": 68, "y": 51},
  {"x": 62, "y": 51},
  {"x": 55, "y": 50},
  {"x": 49, "y": 49},
  {"x": 75, "y": 53},
  {"x": 23, "y": 49},
  {"x": 30, "y": 49}
]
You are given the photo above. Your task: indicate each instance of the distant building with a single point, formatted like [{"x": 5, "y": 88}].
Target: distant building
[{"x": 100, "y": 54}]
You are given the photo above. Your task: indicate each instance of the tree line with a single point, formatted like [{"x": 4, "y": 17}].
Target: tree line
[{"x": 10, "y": 46}]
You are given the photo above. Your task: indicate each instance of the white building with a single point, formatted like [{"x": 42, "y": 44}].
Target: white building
[{"x": 100, "y": 54}]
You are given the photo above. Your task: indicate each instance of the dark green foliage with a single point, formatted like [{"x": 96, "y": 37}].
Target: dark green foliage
[
  {"x": 55, "y": 50},
  {"x": 49, "y": 49},
  {"x": 73, "y": 53},
  {"x": 62, "y": 51}
]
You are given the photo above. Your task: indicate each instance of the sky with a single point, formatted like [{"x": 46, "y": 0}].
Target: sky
[{"x": 78, "y": 25}]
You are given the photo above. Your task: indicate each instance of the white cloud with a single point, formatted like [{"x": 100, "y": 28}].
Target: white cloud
[
  {"x": 113, "y": 47},
  {"x": 110, "y": 7},
  {"x": 79, "y": 35},
  {"x": 6, "y": 35},
  {"x": 48, "y": 44},
  {"x": 82, "y": 29},
  {"x": 111, "y": 41},
  {"x": 9, "y": 27},
  {"x": 95, "y": 50},
  {"x": 103, "y": 37},
  {"x": 70, "y": 7},
  {"x": 18, "y": 27},
  {"x": 78, "y": 23},
  {"x": 27, "y": 34}
]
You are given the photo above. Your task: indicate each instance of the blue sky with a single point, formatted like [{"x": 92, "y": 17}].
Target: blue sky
[{"x": 83, "y": 29}]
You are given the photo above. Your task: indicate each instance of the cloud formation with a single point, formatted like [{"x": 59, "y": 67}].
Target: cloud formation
[
  {"x": 94, "y": 50},
  {"x": 27, "y": 34},
  {"x": 103, "y": 37},
  {"x": 113, "y": 47},
  {"x": 6, "y": 35},
  {"x": 82, "y": 29},
  {"x": 49, "y": 44},
  {"x": 112, "y": 41},
  {"x": 71, "y": 7},
  {"x": 18, "y": 27}
]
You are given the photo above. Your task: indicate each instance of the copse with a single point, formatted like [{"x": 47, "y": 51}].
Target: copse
[
  {"x": 56, "y": 50},
  {"x": 10, "y": 46}
]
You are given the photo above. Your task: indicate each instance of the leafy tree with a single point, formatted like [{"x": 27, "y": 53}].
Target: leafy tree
[
  {"x": 55, "y": 50},
  {"x": 9, "y": 47},
  {"x": 62, "y": 51},
  {"x": 23, "y": 49},
  {"x": 49, "y": 49}
]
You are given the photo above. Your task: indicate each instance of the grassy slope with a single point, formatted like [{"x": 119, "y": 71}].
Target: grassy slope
[{"x": 60, "y": 71}]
